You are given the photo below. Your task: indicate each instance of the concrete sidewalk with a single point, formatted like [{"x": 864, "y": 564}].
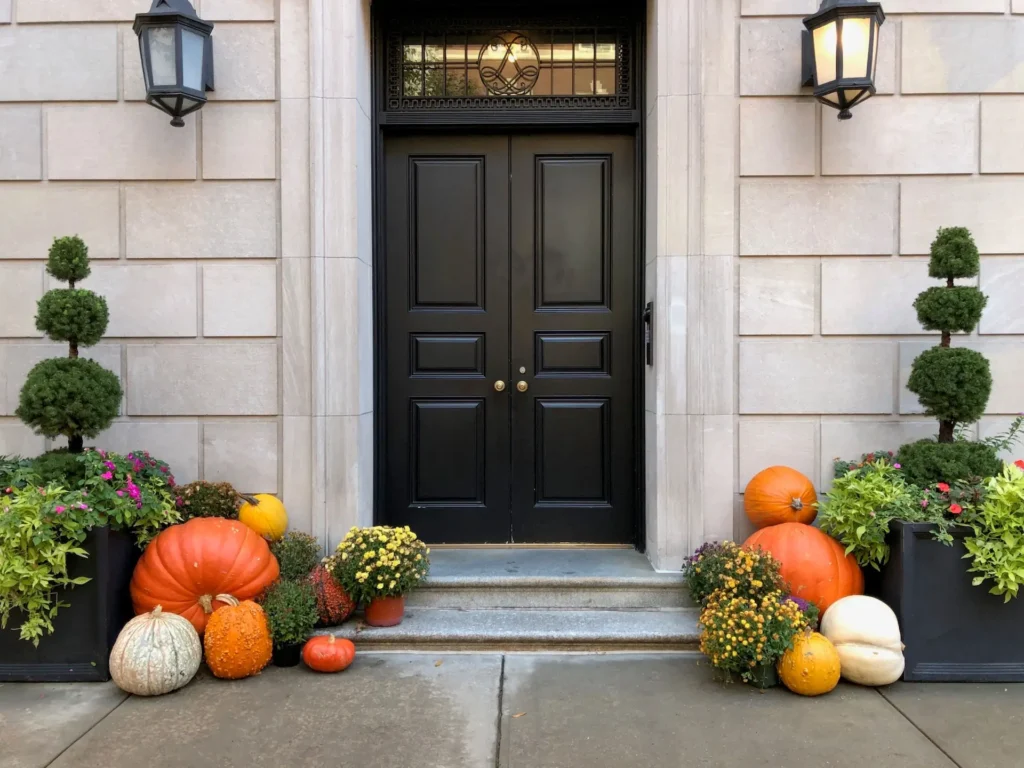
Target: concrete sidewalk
[{"x": 511, "y": 711}]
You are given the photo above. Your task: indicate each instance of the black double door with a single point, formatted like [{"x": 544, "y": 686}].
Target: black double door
[{"x": 510, "y": 332}]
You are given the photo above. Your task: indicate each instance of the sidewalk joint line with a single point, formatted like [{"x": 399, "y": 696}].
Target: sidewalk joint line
[
  {"x": 501, "y": 697},
  {"x": 87, "y": 731},
  {"x": 919, "y": 729}
]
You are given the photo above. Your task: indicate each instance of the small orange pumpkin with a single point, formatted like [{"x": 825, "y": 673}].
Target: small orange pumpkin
[
  {"x": 237, "y": 640},
  {"x": 780, "y": 495},
  {"x": 328, "y": 653},
  {"x": 812, "y": 563}
]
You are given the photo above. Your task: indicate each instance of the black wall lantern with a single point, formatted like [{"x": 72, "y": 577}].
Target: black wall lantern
[
  {"x": 840, "y": 52},
  {"x": 177, "y": 57}
]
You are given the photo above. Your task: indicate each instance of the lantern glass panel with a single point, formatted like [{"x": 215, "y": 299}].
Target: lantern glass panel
[
  {"x": 825, "y": 53},
  {"x": 192, "y": 47},
  {"x": 856, "y": 36},
  {"x": 163, "y": 61}
]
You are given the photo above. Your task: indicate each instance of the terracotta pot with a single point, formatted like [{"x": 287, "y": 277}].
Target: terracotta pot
[{"x": 385, "y": 611}]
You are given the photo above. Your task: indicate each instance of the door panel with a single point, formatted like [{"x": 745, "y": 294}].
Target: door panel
[
  {"x": 506, "y": 254},
  {"x": 572, "y": 208},
  {"x": 448, "y": 460}
]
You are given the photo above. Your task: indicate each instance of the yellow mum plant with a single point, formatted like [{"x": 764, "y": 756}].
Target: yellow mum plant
[
  {"x": 742, "y": 634},
  {"x": 379, "y": 562}
]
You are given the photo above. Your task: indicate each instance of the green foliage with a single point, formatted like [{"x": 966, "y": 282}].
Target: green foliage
[
  {"x": 927, "y": 462},
  {"x": 297, "y": 554},
  {"x": 73, "y": 314},
  {"x": 203, "y": 499},
  {"x": 954, "y": 254},
  {"x": 70, "y": 397},
  {"x": 40, "y": 528},
  {"x": 717, "y": 566},
  {"x": 996, "y": 549},
  {"x": 953, "y": 384},
  {"x": 69, "y": 259},
  {"x": 860, "y": 506},
  {"x": 1008, "y": 439},
  {"x": 60, "y": 467},
  {"x": 840, "y": 467},
  {"x": 951, "y": 310},
  {"x": 131, "y": 492},
  {"x": 290, "y": 607},
  {"x": 14, "y": 470}
]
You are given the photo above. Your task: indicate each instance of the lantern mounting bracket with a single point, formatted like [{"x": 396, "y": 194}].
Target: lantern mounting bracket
[{"x": 807, "y": 63}]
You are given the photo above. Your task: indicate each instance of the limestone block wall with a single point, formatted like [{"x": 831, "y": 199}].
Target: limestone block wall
[
  {"x": 182, "y": 224},
  {"x": 835, "y": 222}
]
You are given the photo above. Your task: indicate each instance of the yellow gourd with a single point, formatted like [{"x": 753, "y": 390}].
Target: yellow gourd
[
  {"x": 265, "y": 514},
  {"x": 811, "y": 666}
]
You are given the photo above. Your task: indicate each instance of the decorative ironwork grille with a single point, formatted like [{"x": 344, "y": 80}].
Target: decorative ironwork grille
[{"x": 508, "y": 64}]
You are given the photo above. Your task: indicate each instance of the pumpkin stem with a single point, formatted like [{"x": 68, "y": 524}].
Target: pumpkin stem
[
  {"x": 206, "y": 601},
  {"x": 330, "y": 639},
  {"x": 797, "y": 504},
  {"x": 249, "y": 499},
  {"x": 156, "y": 611},
  {"x": 228, "y": 599}
]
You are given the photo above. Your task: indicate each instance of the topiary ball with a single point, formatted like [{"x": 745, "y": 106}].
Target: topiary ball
[
  {"x": 69, "y": 259},
  {"x": 950, "y": 309},
  {"x": 73, "y": 314},
  {"x": 954, "y": 254},
  {"x": 952, "y": 383},
  {"x": 69, "y": 396},
  {"x": 927, "y": 462}
]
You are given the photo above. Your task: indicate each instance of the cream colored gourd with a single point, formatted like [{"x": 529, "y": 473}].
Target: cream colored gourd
[
  {"x": 866, "y": 634},
  {"x": 155, "y": 653}
]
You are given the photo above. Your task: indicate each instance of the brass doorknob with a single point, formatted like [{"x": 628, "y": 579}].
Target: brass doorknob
[
  {"x": 499, "y": 385},
  {"x": 522, "y": 386}
]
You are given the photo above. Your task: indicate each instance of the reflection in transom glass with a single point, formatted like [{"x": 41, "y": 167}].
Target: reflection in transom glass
[{"x": 580, "y": 62}]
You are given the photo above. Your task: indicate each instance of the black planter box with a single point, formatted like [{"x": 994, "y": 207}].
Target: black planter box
[
  {"x": 85, "y": 631},
  {"x": 953, "y": 631}
]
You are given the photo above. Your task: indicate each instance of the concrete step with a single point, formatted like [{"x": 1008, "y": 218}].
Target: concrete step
[
  {"x": 548, "y": 578},
  {"x": 441, "y": 629}
]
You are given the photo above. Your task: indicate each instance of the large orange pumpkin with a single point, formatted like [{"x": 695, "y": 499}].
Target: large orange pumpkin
[
  {"x": 237, "y": 640},
  {"x": 780, "y": 495},
  {"x": 186, "y": 566},
  {"x": 813, "y": 564}
]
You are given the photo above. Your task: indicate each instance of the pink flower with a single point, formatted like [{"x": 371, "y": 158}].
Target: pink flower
[
  {"x": 955, "y": 509},
  {"x": 110, "y": 465},
  {"x": 107, "y": 476},
  {"x": 943, "y": 487},
  {"x": 133, "y": 490},
  {"x": 138, "y": 505},
  {"x": 120, "y": 493},
  {"x": 102, "y": 453},
  {"x": 897, "y": 466},
  {"x": 924, "y": 502},
  {"x": 58, "y": 509},
  {"x": 83, "y": 506}
]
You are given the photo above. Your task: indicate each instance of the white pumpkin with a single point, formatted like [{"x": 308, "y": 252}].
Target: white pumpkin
[
  {"x": 866, "y": 634},
  {"x": 155, "y": 653}
]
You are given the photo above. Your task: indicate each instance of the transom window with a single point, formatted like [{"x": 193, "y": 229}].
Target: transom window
[
  {"x": 437, "y": 62},
  {"x": 578, "y": 62}
]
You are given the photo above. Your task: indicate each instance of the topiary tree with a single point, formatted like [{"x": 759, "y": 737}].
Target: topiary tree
[
  {"x": 952, "y": 383},
  {"x": 70, "y": 396}
]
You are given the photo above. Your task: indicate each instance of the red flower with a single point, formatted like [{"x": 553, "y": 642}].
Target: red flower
[
  {"x": 1019, "y": 463},
  {"x": 943, "y": 487},
  {"x": 955, "y": 509}
]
